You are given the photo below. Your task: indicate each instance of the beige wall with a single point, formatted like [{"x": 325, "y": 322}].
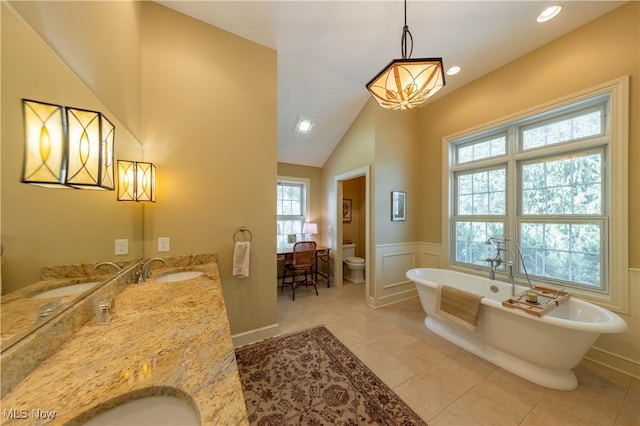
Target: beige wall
[
  {"x": 209, "y": 125},
  {"x": 600, "y": 51},
  {"x": 100, "y": 40},
  {"x": 355, "y": 151},
  {"x": 387, "y": 142},
  {"x": 396, "y": 165},
  {"x": 43, "y": 226}
]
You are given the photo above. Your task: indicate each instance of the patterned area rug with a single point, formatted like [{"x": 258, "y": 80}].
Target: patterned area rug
[{"x": 311, "y": 378}]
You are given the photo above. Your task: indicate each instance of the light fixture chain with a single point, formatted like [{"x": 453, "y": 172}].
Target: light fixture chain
[{"x": 406, "y": 36}]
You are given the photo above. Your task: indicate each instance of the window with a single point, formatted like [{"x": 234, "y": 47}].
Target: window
[
  {"x": 291, "y": 208},
  {"x": 544, "y": 180}
]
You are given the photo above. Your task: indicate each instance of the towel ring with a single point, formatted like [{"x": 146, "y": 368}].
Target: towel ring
[{"x": 239, "y": 231}]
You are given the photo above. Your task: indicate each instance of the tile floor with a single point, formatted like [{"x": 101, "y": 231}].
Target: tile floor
[{"x": 446, "y": 385}]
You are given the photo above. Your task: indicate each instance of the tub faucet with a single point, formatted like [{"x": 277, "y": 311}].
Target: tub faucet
[
  {"x": 494, "y": 262},
  {"x": 115, "y": 265},
  {"x": 498, "y": 241},
  {"x": 144, "y": 272}
]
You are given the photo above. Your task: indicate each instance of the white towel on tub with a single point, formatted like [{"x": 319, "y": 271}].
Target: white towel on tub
[{"x": 241, "y": 254}]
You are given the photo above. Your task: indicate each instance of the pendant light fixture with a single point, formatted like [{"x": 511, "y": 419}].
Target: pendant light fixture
[{"x": 406, "y": 83}]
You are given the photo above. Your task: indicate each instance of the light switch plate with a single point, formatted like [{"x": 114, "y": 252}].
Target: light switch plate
[
  {"x": 163, "y": 244},
  {"x": 122, "y": 247}
]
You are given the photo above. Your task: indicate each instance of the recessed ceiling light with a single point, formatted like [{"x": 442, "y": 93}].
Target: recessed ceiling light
[
  {"x": 303, "y": 124},
  {"x": 549, "y": 13},
  {"x": 453, "y": 70}
]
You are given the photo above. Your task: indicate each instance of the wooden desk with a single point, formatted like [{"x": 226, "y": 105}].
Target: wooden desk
[{"x": 322, "y": 255}]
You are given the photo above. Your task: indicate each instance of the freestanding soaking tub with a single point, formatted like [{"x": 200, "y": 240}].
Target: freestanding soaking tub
[{"x": 542, "y": 349}]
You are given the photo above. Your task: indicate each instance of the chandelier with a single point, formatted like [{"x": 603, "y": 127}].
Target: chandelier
[{"x": 406, "y": 83}]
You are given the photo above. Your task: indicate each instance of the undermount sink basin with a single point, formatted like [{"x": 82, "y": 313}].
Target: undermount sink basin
[
  {"x": 66, "y": 290},
  {"x": 178, "y": 276},
  {"x": 151, "y": 411}
]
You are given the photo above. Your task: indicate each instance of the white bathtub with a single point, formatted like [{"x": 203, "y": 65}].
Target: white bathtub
[{"x": 542, "y": 350}]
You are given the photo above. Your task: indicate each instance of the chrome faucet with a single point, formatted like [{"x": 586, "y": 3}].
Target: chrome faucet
[
  {"x": 498, "y": 259},
  {"x": 144, "y": 272},
  {"x": 115, "y": 265},
  {"x": 494, "y": 262}
]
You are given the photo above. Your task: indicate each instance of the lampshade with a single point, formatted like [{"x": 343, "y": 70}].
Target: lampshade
[
  {"x": 67, "y": 147},
  {"x": 145, "y": 182},
  {"x": 45, "y": 158},
  {"x": 136, "y": 181},
  {"x": 406, "y": 83},
  {"x": 107, "y": 163},
  {"x": 126, "y": 180},
  {"x": 90, "y": 159},
  {"x": 310, "y": 228}
]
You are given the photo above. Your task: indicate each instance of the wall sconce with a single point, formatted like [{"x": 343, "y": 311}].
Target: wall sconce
[
  {"x": 67, "y": 147},
  {"x": 136, "y": 181}
]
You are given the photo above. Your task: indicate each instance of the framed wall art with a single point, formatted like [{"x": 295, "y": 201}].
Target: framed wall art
[
  {"x": 346, "y": 210},
  {"x": 398, "y": 205}
]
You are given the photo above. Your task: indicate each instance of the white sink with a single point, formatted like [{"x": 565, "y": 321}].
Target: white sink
[
  {"x": 178, "y": 276},
  {"x": 149, "y": 411},
  {"x": 66, "y": 290}
]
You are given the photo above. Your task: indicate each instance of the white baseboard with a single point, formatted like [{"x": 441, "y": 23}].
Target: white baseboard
[
  {"x": 256, "y": 335},
  {"x": 379, "y": 302},
  {"x": 616, "y": 362}
]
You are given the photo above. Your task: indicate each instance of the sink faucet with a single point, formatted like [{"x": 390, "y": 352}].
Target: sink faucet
[
  {"x": 144, "y": 272},
  {"x": 115, "y": 265},
  {"x": 499, "y": 261}
]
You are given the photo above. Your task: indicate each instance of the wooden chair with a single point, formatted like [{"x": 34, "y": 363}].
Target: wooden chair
[{"x": 300, "y": 269}]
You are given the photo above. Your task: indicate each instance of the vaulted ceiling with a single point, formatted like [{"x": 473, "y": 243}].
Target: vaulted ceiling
[{"x": 328, "y": 50}]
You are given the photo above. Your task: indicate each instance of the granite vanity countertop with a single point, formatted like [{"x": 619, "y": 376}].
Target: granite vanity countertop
[
  {"x": 163, "y": 339},
  {"x": 18, "y": 311}
]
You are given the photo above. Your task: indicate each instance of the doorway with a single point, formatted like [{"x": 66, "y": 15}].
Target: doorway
[{"x": 353, "y": 186}]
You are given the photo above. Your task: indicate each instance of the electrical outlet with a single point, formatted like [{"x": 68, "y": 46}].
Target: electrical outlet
[
  {"x": 122, "y": 247},
  {"x": 163, "y": 244}
]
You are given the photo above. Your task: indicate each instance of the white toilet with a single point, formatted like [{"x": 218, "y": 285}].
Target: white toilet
[{"x": 354, "y": 265}]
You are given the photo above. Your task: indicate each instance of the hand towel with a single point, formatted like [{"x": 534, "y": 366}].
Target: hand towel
[
  {"x": 241, "y": 252},
  {"x": 459, "y": 306}
]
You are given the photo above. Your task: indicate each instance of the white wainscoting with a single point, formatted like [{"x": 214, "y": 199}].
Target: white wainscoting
[
  {"x": 622, "y": 351},
  {"x": 392, "y": 263}
]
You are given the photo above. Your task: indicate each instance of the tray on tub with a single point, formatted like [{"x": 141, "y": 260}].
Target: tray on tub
[{"x": 548, "y": 299}]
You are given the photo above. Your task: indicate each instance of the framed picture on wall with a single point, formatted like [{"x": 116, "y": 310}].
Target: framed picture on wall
[
  {"x": 398, "y": 205},
  {"x": 346, "y": 210}
]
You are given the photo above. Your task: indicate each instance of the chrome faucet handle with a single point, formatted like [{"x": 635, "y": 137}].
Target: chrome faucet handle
[{"x": 144, "y": 273}]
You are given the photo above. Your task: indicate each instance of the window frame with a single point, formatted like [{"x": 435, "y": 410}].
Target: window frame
[
  {"x": 615, "y": 223},
  {"x": 304, "y": 184}
]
